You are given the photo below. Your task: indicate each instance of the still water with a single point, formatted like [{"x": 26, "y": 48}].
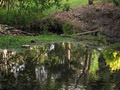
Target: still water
[{"x": 60, "y": 66}]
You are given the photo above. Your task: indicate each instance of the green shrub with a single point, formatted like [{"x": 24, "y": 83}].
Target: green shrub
[
  {"x": 15, "y": 19},
  {"x": 116, "y": 2},
  {"x": 45, "y": 30},
  {"x": 66, "y": 7},
  {"x": 22, "y": 12},
  {"x": 67, "y": 28}
]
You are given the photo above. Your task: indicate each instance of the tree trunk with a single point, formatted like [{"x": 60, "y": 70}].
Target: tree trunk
[{"x": 90, "y": 2}]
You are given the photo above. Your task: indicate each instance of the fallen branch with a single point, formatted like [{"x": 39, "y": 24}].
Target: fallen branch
[
  {"x": 78, "y": 34},
  {"x": 22, "y": 32},
  {"x": 87, "y": 32}
]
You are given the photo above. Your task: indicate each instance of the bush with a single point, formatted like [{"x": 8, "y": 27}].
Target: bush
[
  {"x": 116, "y": 2},
  {"x": 66, "y": 7},
  {"x": 14, "y": 18},
  {"x": 24, "y": 12}
]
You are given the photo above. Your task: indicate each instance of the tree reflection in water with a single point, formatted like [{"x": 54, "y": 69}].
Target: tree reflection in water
[{"x": 60, "y": 66}]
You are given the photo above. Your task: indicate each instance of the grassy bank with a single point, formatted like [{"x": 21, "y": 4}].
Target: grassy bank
[
  {"x": 71, "y": 3},
  {"x": 17, "y": 41}
]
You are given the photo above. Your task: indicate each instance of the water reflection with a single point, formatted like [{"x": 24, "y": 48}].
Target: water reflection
[
  {"x": 17, "y": 69},
  {"x": 60, "y": 66},
  {"x": 41, "y": 73}
]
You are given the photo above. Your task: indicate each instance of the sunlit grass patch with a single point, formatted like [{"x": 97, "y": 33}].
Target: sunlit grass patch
[{"x": 18, "y": 41}]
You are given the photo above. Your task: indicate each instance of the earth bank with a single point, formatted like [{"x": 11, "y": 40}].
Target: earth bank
[{"x": 102, "y": 17}]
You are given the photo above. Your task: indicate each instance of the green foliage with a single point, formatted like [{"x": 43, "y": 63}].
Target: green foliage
[
  {"x": 71, "y": 3},
  {"x": 24, "y": 12},
  {"x": 112, "y": 58},
  {"x": 45, "y": 30},
  {"x": 13, "y": 18},
  {"x": 67, "y": 28},
  {"x": 94, "y": 65},
  {"x": 66, "y": 7},
  {"x": 115, "y": 45},
  {"x": 106, "y": 1},
  {"x": 102, "y": 38},
  {"x": 116, "y": 2}
]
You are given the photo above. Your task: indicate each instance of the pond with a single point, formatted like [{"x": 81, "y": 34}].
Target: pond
[{"x": 60, "y": 66}]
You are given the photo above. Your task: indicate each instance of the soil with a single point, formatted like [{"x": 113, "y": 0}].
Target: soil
[{"x": 103, "y": 17}]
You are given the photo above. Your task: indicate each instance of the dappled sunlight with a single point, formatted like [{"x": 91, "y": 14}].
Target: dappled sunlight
[{"x": 112, "y": 59}]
